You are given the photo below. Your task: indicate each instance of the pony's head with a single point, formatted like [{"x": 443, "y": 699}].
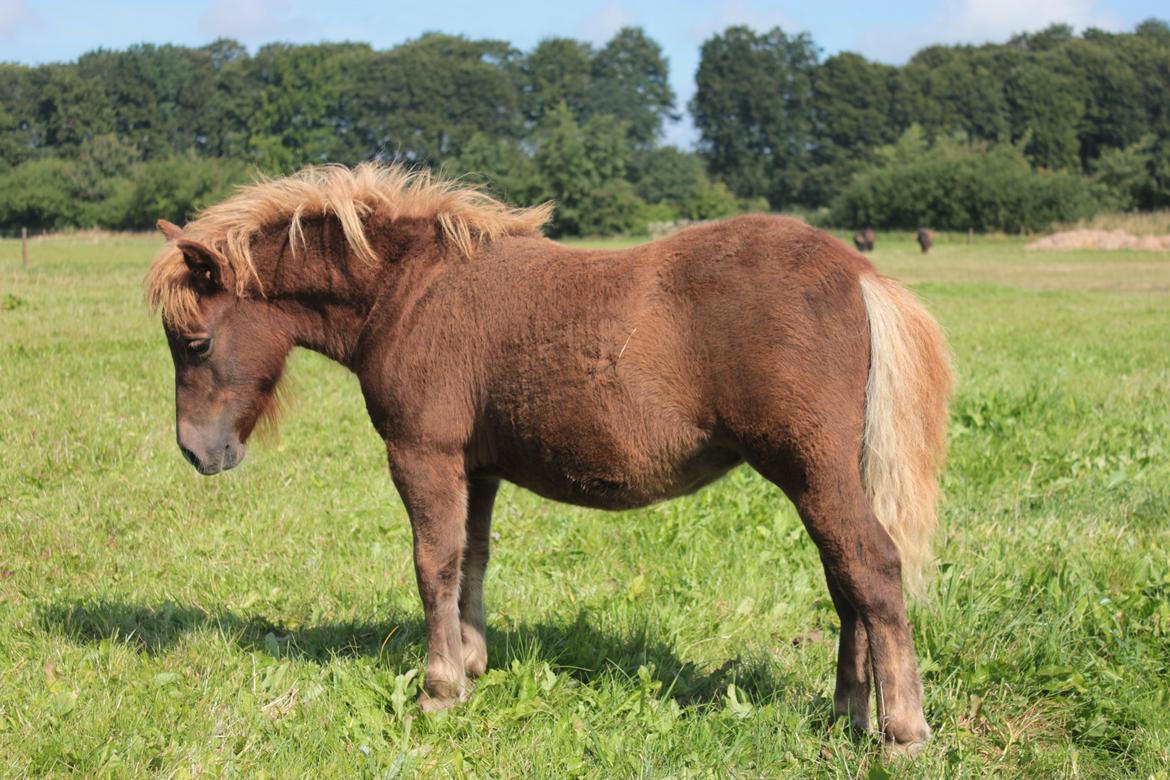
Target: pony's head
[
  {"x": 229, "y": 351},
  {"x": 228, "y": 339}
]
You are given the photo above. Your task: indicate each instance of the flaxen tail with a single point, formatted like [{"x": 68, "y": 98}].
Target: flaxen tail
[{"x": 905, "y": 420}]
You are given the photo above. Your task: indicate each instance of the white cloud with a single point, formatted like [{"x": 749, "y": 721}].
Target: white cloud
[
  {"x": 980, "y": 21},
  {"x": 983, "y": 20},
  {"x": 601, "y": 25},
  {"x": 255, "y": 19},
  {"x": 13, "y": 14},
  {"x": 730, "y": 13}
]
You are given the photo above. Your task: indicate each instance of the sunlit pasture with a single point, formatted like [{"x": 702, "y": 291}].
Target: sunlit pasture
[{"x": 265, "y": 622}]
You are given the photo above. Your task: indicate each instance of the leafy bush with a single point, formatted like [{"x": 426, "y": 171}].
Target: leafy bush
[
  {"x": 677, "y": 180},
  {"x": 1136, "y": 176},
  {"x": 958, "y": 186},
  {"x": 613, "y": 209},
  {"x": 175, "y": 189},
  {"x": 501, "y": 167},
  {"x": 51, "y": 194},
  {"x": 665, "y": 174},
  {"x": 583, "y": 167},
  {"x": 711, "y": 200},
  {"x": 41, "y": 195}
]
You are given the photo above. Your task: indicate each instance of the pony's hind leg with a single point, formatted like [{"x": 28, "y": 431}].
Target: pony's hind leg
[
  {"x": 481, "y": 497},
  {"x": 861, "y": 558},
  {"x": 852, "y": 694},
  {"x": 864, "y": 574}
]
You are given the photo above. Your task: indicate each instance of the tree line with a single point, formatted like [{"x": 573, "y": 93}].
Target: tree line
[
  {"x": 1046, "y": 126},
  {"x": 1010, "y": 136}
]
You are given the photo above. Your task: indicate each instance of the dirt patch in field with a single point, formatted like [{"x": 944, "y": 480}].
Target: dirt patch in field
[{"x": 1101, "y": 239}]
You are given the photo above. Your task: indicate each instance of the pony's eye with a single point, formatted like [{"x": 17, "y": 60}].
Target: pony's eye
[{"x": 198, "y": 347}]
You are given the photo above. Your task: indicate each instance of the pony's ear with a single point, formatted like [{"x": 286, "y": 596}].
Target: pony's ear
[
  {"x": 169, "y": 229},
  {"x": 210, "y": 270}
]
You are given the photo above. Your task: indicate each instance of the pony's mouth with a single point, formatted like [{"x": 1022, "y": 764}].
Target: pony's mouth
[{"x": 228, "y": 458}]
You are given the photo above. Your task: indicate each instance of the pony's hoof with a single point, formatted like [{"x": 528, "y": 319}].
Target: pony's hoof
[
  {"x": 897, "y": 750},
  {"x": 428, "y": 703},
  {"x": 859, "y": 724},
  {"x": 910, "y": 748},
  {"x": 436, "y": 702},
  {"x": 856, "y": 717},
  {"x": 474, "y": 658}
]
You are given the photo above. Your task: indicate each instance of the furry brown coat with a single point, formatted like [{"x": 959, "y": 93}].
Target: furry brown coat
[{"x": 609, "y": 379}]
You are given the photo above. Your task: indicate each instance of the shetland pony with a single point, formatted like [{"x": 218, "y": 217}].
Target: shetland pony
[{"x": 609, "y": 379}]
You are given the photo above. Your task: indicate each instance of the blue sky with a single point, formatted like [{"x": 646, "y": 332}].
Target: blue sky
[{"x": 36, "y": 31}]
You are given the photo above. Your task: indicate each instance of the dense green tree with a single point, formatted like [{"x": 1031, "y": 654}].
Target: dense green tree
[
  {"x": 853, "y": 102},
  {"x": 152, "y": 97},
  {"x": 630, "y": 81},
  {"x": 1051, "y": 37},
  {"x": 91, "y": 142},
  {"x": 101, "y": 161},
  {"x": 665, "y": 174},
  {"x": 423, "y": 100},
  {"x": 583, "y": 167},
  {"x": 668, "y": 176},
  {"x": 22, "y": 129},
  {"x": 753, "y": 107},
  {"x": 225, "y": 52},
  {"x": 1113, "y": 114},
  {"x": 1148, "y": 57},
  {"x": 234, "y": 89},
  {"x": 558, "y": 70},
  {"x": 174, "y": 188},
  {"x": 296, "y": 104},
  {"x": 501, "y": 167},
  {"x": 947, "y": 89},
  {"x": 1046, "y": 112},
  {"x": 627, "y": 79}
]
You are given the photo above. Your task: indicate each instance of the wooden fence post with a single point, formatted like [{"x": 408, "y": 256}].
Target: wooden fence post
[{"x": 24, "y": 248}]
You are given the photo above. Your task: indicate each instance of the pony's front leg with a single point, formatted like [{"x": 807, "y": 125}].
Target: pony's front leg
[
  {"x": 434, "y": 488},
  {"x": 481, "y": 497}
]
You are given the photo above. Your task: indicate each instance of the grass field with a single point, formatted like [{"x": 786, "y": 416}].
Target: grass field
[{"x": 265, "y": 622}]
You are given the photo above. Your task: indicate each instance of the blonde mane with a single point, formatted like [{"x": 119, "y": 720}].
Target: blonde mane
[{"x": 467, "y": 217}]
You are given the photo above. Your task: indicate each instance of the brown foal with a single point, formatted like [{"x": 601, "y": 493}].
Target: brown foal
[{"x": 608, "y": 379}]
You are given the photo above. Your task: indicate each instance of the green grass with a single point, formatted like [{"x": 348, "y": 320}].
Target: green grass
[{"x": 265, "y": 622}]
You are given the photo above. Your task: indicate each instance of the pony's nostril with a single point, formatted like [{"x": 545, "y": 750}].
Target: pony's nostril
[
  {"x": 232, "y": 455},
  {"x": 190, "y": 456}
]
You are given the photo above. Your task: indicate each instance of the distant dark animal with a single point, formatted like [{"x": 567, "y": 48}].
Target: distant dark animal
[
  {"x": 609, "y": 379},
  {"x": 925, "y": 239},
  {"x": 863, "y": 240}
]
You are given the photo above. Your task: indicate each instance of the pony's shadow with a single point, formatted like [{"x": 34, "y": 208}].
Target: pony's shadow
[{"x": 576, "y": 647}]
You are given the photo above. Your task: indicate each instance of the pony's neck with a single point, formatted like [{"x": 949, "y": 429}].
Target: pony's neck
[{"x": 325, "y": 290}]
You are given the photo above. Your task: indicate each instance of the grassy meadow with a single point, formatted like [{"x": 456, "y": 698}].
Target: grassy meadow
[{"x": 265, "y": 623}]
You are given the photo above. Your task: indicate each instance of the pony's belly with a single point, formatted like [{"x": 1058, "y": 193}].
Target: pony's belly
[{"x": 629, "y": 488}]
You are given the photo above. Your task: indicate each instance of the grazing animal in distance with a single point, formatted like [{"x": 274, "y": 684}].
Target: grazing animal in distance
[
  {"x": 925, "y": 239},
  {"x": 608, "y": 379},
  {"x": 863, "y": 240}
]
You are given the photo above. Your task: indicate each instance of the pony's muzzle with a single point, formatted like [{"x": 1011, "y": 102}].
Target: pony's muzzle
[{"x": 225, "y": 453}]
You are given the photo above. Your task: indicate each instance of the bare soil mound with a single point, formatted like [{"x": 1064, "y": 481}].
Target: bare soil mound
[{"x": 1101, "y": 239}]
